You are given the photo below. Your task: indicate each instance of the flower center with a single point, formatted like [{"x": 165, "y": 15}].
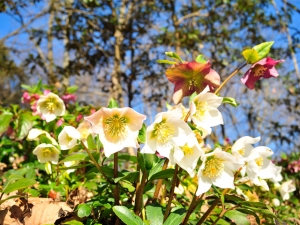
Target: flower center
[
  {"x": 213, "y": 167},
  {"x": 259, "y": 161},
  {"x": 115, "y": 126},
  {"x": 47, "y": 152},
  {"x": 187, "y": 150},
  {"x": 51, "y": 104},
  {"x": 241, "y": 151},
  {"x": 192, "y": 83},
  {"x": 68, "y": 138},
  {"x": 201, "y": 110},
  {"x": 259, "y": 70},
  {"x": 163, "y": 131}
]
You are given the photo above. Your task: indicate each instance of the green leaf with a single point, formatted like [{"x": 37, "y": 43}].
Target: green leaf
[
  {"x": 91, "y": 142},
  {"x": 127, "y": 216},
  {"x": 24, "y": 125},
  {"x": 84, "y": 210},
  {"x": 251, "y": 55},
  {"x": 263, "y": 49},
  {"x": 192, "y": 96},
  {"x": 26, "y": 87},
  {"x": 5, "y": 118},
  {"x": 150, "y": 160},
  {"x": 19, "y": 184},
  {"x": 163, "y": 174},
  {"x": 175, "y": 217},
  {"x": 142, "y": 134},
  {"x": 168, "y": 106},
  {"x": 250, "y": 212},
  {"x": 79, "y": 156},
  {"x": 200, "y": 59},
  {"x": 154, "y": 214},
  {"x": 165, "y": 61},
  {"x": 234, "y": 199},
  {"x": 112, "y": 104},
  {"x": 220, "y": 221},
  {"x": 156, "y": 168},
  {"x": 129, "y": 176},
  {"x": 230, "y": 101},
  {"x": 72, "y": 89},
  {"x": 73, "y": 222},
  {"x": 140, "y": 159},
  {"x": 173, "y": 55},
  {"x": 238, "y": 217}
]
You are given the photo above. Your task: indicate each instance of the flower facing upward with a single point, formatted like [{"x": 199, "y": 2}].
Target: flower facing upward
[
  {"x": 68, "y": 137},
  {"x": 117, "y": 128},
  {"x": 50, "y": 106},
  {"x": 167, "y": 131},
  {"x": 264, "y": 68},
  {"x": 46, "y": 153},
  {"x": 204, "y": 112},
  {"x": 189, "y": 77},
  {"x": 217, "y": 168}
]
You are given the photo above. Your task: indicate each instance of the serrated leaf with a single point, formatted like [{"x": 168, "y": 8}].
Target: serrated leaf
[
  {"x": 238, "y": 217},
  {"x": 173, "y": 55},
  {"x": 127, "y": 216},
  {"x": 230, "y": 101},
  {"x": 164, "y": 61},
  {"x": 200, "y": 59},
  {"x": 263, "y": 49},
  {"x": 24, "y": 125},
  {"x": 175, "y": 217},
  {"x": 112, "y": 104},
  {"x": 162, "y": 174},
  {"x": 154, "y": 214},
  {"x": 251, "y": 55},
  {"x": 84, "y": 210},
  {"x": 72, "y": 89},
  {"x": 18, "y": 185},
  {"x": 142, "y": 134},
  {"x": 5, "y": 118}
]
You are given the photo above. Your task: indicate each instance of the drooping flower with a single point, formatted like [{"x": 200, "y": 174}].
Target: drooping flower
[
  {"x": 286, "y": 188},
  {"x": 34, "y": 133},
  {"x": 216, "y": 168},
  {"x": 204, "y": 112},
  {"x": 117, "y": 128},
  {"x": 85, "y": 130},
  {"x": 277, "y": 176},
  {"x": 187, "y": 154},
  {"x": 50, "y": 106},
  {"x": 46, "y": 153},
  {"x": 264, "y": 68},
  {"x": 165, "y": 132},
  {"x": 68, "y": 137},
  {"x": 189, "y": 77}
]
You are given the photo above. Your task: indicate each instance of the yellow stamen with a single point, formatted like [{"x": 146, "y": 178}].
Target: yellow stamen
[
  {"x": 51, "y": 104},
  {"x": 187, "y": 150},
  {"x": 201, "y": 110},
  {"x": 259, "y": 70},
  {"x": 259, "y": 161},
  {"x": 47, "y": 152},
  {"x": 115, "y": 126},
  {"x": 192, "y": 83},
  {"x": 213, "y": 167},
  {"x": 241, "y": 151},
  {"x": 163, "y": 131}
]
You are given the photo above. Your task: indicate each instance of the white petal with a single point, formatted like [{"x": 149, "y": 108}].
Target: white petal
[{"x": 204, "y": 184}]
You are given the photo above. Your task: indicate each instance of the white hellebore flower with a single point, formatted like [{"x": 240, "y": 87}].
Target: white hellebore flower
[
  {"x": 217, "y": 168},
  {"x": 51, "y": 106},
  {"x": 34, "y": 133},
  {"x": 46, "y": 153},
  {"x": 68, "y": 137},
  {"x": 275, "y": 202},
  {"x": 286, "y": 188},
  {"x": 117, "y": 128},
  {"x": 204, "y": 112},
  {"x": 187, "y": 154},
  {"x": 277, "y": 177},
  {"x": 165, "y": 132},
  {"x": 85, "y": 130}
]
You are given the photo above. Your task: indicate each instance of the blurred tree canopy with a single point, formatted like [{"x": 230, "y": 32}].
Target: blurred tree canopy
[{"x": 110, "y": 48}]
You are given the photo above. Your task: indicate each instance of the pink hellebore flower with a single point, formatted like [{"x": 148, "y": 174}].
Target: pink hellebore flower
[
  {"x": 67, "y": 98},
  {"x": 189, "y": 77},
  {"x": 118, "y": 128},
  {"x": 26, "y": 97},
  {"x": 264, "y": 68}
]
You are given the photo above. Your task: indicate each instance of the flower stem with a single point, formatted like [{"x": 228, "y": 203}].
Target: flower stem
[
  {"x": 174, "y": 181},
  {"x": 159, "y": 182},
  {"x": 196, "y": 200},
  {"x": 229, "y": 77},
  {"x": 211, "y": 208},
  {"x": 139, "y": 194},
  {"x": 116, "y": 189}
]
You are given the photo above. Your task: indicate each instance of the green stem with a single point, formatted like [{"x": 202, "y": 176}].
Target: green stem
[
  {"x": 116, "y": 189},
  {"x": 196, "y": 200},
  {"x": 159, "y": 182},
  {"x": 229, "y": 77},
  {"x": 139, "y": 194},
  {"x": 96, "y": 164},
  {"x": 168, "y": 209}
]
